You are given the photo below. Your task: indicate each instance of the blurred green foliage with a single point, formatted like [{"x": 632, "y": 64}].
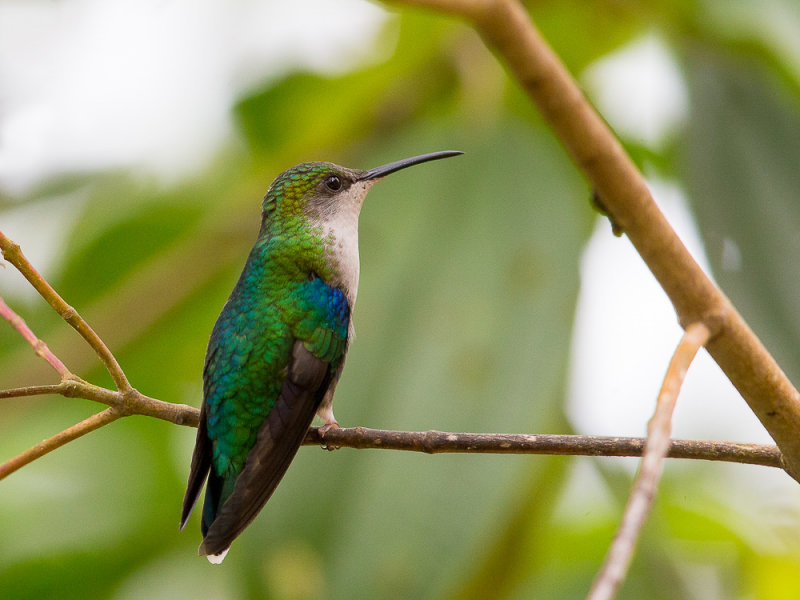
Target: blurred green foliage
[{"x": 469, "y": 285}]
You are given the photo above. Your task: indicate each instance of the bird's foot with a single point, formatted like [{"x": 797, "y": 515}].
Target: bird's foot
[{"x": 325, "y": 429}]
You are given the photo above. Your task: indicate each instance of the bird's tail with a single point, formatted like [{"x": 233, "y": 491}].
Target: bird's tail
[{"x": 218, "y": 489}]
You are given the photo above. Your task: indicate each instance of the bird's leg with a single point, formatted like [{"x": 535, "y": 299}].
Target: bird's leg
[{"x": 325, "y": 412}]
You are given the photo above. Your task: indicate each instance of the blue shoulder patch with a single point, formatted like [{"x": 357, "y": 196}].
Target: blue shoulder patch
[{"x": 325, "y": 321}]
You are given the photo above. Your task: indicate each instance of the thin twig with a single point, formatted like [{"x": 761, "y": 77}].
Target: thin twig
[
  {"x": 435, "y": 442},
  {"x": 33, "y": 390},
  {"x": 12, "y": 253},
  {"x": 39, "y": 347},
  {"x": 153, "y": 291},
  {"x": 132, "y": 402},
  {"x": 432, "y": 441},
  {"x": 86, "y": 426},
  {"x": 615, "y": 566}
]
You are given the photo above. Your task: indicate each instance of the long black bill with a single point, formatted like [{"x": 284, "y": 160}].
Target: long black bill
[{"x": 384, "y": 170}]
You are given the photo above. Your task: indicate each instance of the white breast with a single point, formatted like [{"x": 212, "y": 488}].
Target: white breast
[{"x": 340, "y": 230}]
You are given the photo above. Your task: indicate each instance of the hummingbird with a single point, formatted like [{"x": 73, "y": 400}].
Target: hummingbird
[{"x": 278, "y": 347}]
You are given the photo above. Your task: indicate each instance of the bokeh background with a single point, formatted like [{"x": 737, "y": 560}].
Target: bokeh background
[{"x": 136, "y": 141}]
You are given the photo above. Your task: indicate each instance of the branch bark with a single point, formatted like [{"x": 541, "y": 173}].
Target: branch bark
[
  {"x": 429, "y": 442},
  {"x": 435, "y": 442},
  {"x": 508, "y": 30}
]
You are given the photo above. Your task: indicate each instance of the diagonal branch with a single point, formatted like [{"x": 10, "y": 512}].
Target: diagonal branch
[
  {"x": 508, "y": 30},
  {"x": 12, "y": 253},
  {"x": 641, "y": 499},
  {"x": 121, "y": 402},
  {"x": 39, "y": 347}
]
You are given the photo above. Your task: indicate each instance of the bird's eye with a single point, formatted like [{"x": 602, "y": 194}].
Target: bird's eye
[{"x": 333, "y": 183}]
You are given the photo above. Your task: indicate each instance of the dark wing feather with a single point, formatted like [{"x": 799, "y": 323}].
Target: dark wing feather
[
  {"x": 278, "y": 441},
  {"x": 201, "y": 456},
  {"x": 201, "y": 464}
]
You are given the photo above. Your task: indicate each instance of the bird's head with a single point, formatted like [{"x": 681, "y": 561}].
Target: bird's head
[{"x": 325, "y": 192}]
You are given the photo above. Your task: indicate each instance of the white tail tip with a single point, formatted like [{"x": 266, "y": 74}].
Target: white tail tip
[{"x": 216, "y": 559}]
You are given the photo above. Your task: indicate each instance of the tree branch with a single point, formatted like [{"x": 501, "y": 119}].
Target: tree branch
[
  {"x": 12, "y": 253},
  {"x": 33, "y": 390},
  {"x": 435, "y": 442},
  {"x": 121, "y": 402},
  {"x": 430, "y": 442},
  {"x": 615, "y": 566},
  {"x": 39, "y": 347},
  {"x": 508, "y": 30}
]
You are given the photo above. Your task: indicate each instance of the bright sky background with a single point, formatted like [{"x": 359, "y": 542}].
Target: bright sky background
[
  {"x": 626, "y": 325},
  {"x": 173, "y": 69},
  {"x": 159, "y": 77}
]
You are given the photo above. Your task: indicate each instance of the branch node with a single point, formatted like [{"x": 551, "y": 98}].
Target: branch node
[
  {"x": 125, "y": 405},
  {"x": 9, "y": 249},
  {"x": 70, "y": 387},
  {"x": 599, "y": 206},
  {"x": 68, "y": 313},
  {"x": 716, "y": 320},
  {"x": 429, "y": 443}
]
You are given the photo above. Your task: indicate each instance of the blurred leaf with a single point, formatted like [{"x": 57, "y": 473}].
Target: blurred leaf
[
  {"x": 305, "y": 113},
  {"x": 774, "y": 577},
  {"x": 518, "y": 553},
  {"x": 582, "y": 31},
  {"x": 741, "y": 172},
  {"x": 103, "y": 262},
  {"x": 763, "y": 29}
]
